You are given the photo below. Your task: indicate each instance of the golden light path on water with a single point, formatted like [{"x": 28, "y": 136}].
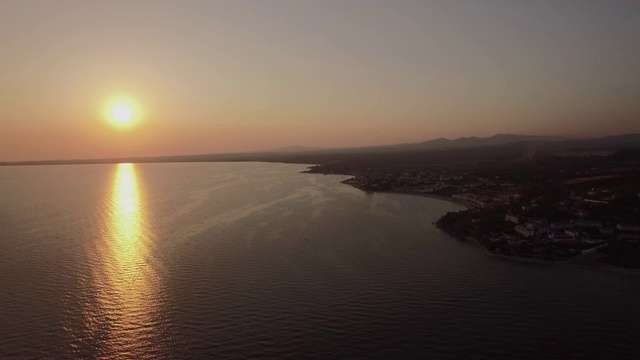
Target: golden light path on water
[{"x": 128, "y": 294}]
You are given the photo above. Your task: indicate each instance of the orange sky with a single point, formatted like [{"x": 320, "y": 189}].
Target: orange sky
[{"x": 227, "y": 76}]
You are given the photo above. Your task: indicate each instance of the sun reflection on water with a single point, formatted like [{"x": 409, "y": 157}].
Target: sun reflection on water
[
  {"x": 127, "y": 284},
  {"x": 128, "y": 245},
  {"x": 126, "y": 220}
]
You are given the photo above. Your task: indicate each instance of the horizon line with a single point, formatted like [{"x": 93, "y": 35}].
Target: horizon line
[{"x": 111, "y": 160}]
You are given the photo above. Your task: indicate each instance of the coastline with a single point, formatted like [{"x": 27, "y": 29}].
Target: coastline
[
  {"x": 433, "y": 196},
  {"x": 597, "y": 266}
]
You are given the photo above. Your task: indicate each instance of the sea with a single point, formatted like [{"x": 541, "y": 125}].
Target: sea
[{"x": 261, "y": 261}]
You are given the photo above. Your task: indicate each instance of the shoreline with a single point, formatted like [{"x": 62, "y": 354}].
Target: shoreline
[
  {"x": 432, "y": 196},
  {"x": 598, "y": 266}
]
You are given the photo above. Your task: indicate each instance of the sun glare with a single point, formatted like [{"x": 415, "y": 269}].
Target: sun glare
[{"x": 122, "y": 113}]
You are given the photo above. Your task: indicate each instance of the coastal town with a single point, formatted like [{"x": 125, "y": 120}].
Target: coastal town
[{"x": 580, "y": 209}]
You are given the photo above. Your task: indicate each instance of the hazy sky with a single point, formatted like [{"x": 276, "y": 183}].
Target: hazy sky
[{"x": 222, "y": 76}]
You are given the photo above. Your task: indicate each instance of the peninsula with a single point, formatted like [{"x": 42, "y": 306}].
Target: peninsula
[{"x": 580, "y": 207}]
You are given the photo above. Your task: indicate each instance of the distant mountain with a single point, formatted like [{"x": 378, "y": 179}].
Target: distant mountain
[
  {"x": 528, "y": 144},
  {"x": 461, "y": 143},
  {"x": 291, "y": 149},
  {"x": 472, "y": 141}
]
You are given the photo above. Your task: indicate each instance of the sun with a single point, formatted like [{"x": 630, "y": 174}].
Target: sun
[{"x": 122, "y": 113}]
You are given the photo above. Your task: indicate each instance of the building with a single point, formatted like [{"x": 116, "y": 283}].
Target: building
[
  {"x": 561, "y": 237},
  {"x": 630, "y": 236},
  {"x": 512, "y": 218},
  {"x": 524, "y": 231},
  {"x": 470, "y": 199},
  {"x": 589, "y": 223},
  {"x": 628, "y": 227}
]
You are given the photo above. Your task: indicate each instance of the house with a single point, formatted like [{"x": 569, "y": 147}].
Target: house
[
  {"x": 512, "y": 218},
  {"x": 634, "y": 237},
  {"x": 572, "y": 232},
  {"x": 562, "y": 237},
  {"x": 524, "y": 231},
  {"x": 589, "y": 223},
  {"x": 628, "y": 227}
]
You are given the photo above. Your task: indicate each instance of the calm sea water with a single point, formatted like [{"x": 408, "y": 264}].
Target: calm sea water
[{"x": 251, "y": 260}]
